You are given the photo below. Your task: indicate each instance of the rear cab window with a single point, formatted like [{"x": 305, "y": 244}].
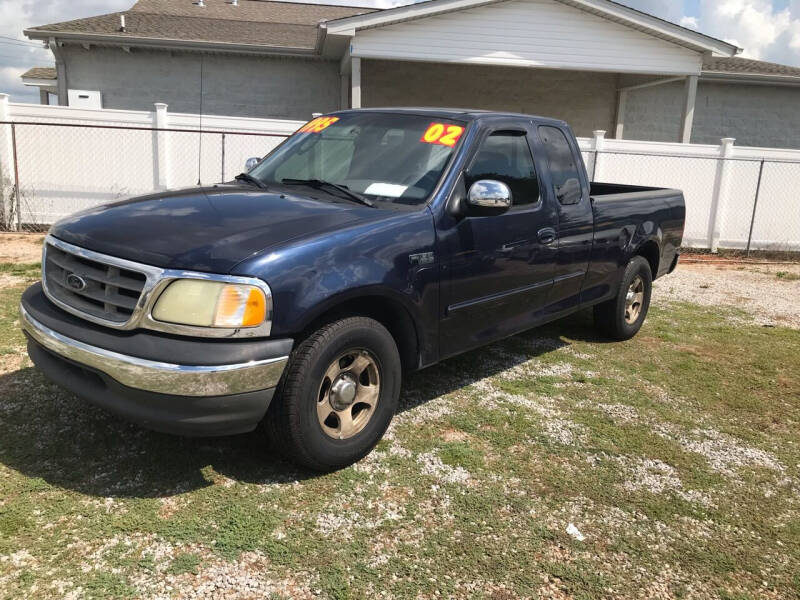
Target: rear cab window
[{"x": 564, "y": 170}]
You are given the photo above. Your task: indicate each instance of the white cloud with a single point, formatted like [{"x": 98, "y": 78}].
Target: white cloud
[
  {"x": 9, "y": 79},
  {"x": 15, "y": 16},
  {"x": 765, "y": 29},
  {"x": 690, "y": 22},
  {"x": 758, "y": 26}
]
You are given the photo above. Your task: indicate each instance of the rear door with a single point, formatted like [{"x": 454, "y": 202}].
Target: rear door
[
  {"x": 498, "y": 269},
  {"x": 569, "y": 188}
]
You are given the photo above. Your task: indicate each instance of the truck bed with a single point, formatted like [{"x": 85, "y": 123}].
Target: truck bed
[
  {"x": 601, "y": 190},
  {"x": 624, "y": 216}
]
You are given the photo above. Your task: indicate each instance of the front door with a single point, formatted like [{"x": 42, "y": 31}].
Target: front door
[{"x": 498, "y": 269}]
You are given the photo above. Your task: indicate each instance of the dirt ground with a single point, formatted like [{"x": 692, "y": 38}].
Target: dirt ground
[
  {"x": 768, "y": 293},
  {"x": 21, "y": 247}
]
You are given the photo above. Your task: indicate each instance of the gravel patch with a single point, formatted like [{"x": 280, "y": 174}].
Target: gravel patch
[
  {"x": 652, "y": 475},
  {"x": 657, "y": 477},
  {"x": 248, "y": 578},
  {"x": 724, "y": 453},
  {"x": 10, "y": 363},
  {"x": 555, "y": 426},
  {"x": 620, "y": 413},
  {"x": 433, "y": 465},
  {"x": 345, "y": 521},
  {"x": 534, "y": 368},
  {"x": 7, "y": 281},
  {"x": 755, "y": 289}
]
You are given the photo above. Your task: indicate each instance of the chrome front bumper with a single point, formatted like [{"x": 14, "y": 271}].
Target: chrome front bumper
[{"x": 159, "y": 377}]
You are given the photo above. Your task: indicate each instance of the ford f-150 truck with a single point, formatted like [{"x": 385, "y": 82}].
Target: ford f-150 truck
[{"x": 368, "y": 244}]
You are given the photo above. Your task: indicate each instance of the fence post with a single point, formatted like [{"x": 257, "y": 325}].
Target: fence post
[
  {"x": 755, "y": 206},
  {"x": 598, "y": 143},
  {"x": 223, "y": 159},
  {"x": 6, "y": 164},
  {"x": 16, "y": 176},
  {"x": 161, "y": 158},
  {"x": 719, "y": 200}
]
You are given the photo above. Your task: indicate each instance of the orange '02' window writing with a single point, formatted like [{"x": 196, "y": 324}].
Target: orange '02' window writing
[
  {"x": 442, "y": 133},
  {"x": 317, "y": 125}
]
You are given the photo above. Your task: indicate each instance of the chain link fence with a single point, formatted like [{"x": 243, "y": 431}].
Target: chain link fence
[{"x": 50, "y": 170}]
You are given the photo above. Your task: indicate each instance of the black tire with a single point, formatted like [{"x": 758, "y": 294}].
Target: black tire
[
  {"x": 610, "y": 316},
  {"x": 292, "y": 424}
]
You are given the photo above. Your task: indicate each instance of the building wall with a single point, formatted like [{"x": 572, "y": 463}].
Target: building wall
[
  {"x": 586, "y": 100},
  {"x": 756, "y": 115},
  {"x": 239, "y": 86}
]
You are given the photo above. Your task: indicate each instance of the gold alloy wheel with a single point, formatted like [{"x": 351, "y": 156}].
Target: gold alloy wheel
[
  {"x": 634, "y": 300},
  {"x": 348, "y": 394}
]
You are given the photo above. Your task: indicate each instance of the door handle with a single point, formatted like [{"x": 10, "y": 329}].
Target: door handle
[
  {"x": 509, "y": 248},
  {"x": 547, "y": 235}
]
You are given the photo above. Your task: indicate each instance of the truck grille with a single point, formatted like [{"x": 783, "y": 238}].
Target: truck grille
[{"x": 92, "y": 287}]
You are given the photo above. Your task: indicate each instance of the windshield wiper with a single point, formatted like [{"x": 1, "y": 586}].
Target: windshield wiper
[
  {"x": 319, "y": 183},
  {"x": 250, "y": 179}
]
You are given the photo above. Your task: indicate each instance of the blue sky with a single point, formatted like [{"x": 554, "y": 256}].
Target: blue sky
[{"x": 766, "y": 29}]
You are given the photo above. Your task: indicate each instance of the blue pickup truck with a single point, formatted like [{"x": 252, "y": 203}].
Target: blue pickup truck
[{"x": 370, "y": 243}]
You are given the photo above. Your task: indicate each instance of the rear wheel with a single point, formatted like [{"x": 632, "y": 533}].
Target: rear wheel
[
  {"x": 623, "y": 316},
  {"x": 338, "y": 395}
]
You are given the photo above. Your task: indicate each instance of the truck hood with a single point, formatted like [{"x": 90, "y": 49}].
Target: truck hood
[{"x": 206, "y": 229}]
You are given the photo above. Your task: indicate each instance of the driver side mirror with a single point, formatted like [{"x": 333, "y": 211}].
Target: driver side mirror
[
  {"x": 251, "y": 162},
  {"x": 488, "y": 197}
]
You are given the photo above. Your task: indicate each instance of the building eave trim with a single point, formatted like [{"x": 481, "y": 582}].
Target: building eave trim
[
  {"x": 751, "y": 77},
  {"x": 169, "y": 44},
  {"x": 38, "y": 82}
]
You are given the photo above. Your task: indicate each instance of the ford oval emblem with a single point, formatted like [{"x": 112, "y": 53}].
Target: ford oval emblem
[{"x": 76, "y": 282}]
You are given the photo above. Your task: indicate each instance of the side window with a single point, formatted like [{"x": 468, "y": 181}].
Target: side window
[
  {"x": 505, "y": 156},
  {"x": 563, "y": 168}
]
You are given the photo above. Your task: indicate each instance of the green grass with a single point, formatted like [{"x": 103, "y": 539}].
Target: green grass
[
  {"x": 787, "y": 276},
  {"x": 21, "y": 270},
  {"x": 185, "y": 563},
  {"x": 676, "y": 454}
]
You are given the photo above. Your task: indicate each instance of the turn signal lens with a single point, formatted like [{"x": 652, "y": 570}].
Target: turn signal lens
[
  {"x": 205, "y": 303},
  {"x": 240, "y": 306}
]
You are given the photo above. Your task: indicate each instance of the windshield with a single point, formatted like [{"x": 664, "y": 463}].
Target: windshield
[{"x": 383, "y": 156}]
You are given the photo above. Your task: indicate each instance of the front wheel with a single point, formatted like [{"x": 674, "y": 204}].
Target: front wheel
[
  {"x": 338, "y": 395},
  {"x": 622, "y": 317}
]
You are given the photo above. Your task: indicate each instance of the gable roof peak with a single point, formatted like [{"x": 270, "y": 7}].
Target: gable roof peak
[{"x": 607, "y": 9}]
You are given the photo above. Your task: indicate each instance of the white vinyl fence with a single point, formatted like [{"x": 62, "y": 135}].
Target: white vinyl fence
[
  {"x": 56, "y": 160},
  {"x": 68, "y": 159}
]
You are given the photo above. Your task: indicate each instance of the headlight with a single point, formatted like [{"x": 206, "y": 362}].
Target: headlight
[{"x": 211, "y": 304}]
